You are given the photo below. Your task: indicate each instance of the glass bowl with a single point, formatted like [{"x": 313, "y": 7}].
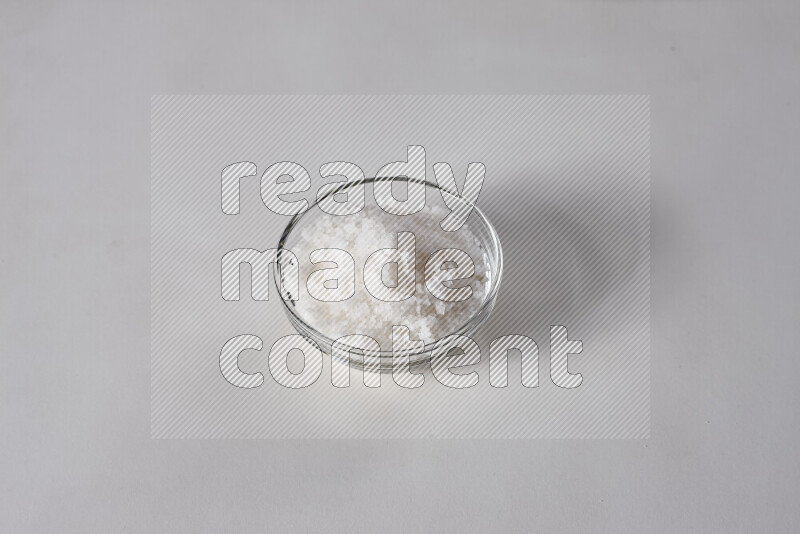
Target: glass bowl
[{"x": 477, "y": 223}]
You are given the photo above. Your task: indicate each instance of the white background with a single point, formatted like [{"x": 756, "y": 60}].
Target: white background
[{"x": 75, "y": 86}]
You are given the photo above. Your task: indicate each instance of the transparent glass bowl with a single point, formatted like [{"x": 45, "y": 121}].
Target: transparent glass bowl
[{"x": 477, "y": 223}]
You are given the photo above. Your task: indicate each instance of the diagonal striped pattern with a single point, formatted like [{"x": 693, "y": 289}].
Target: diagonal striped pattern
[
  {"x": 529, "y": 360},
  {"x": 460, "y": 203},
  {"x": 354, "y": 198},
  {"x": 566, "y": 186},
  {"x": 448, "y": 265},
  {"x": 342, "y": 352},
  {"x": 342, "y": 273},
  {"x": 279, "y": 365},
  {"x": 560, "y": 349},
  {"x": 413, "y": 174},
  {"x": 229, "y": 361},
  {"x": 231, "y": 179},
  {"x": 403, "y": 347},
  {"x": 404, "y": 281},
  {"x": 260, "y": 265},
  {"x": 452, "y": 352}
]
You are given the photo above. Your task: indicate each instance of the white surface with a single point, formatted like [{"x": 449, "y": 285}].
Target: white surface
[{"x": 74, "y": 388}]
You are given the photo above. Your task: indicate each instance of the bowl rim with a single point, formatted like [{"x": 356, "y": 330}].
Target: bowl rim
[{"x": 481, "y": 314}]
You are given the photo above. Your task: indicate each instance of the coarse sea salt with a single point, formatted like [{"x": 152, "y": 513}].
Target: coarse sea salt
[{"x": 427, "y": 317}]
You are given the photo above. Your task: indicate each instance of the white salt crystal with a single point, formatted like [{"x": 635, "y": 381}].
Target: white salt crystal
[{"x": 427, "y": 317}]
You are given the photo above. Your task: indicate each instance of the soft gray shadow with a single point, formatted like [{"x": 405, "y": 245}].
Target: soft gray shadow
[{"x": 565, "y": 253}]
